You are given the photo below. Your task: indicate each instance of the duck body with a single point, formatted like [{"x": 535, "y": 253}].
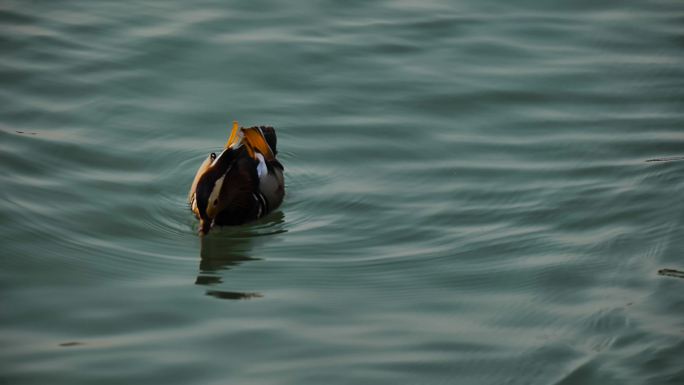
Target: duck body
[{"x": 242, "y": 183}]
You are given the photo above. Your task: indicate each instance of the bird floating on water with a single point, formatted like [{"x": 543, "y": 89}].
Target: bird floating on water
[{"x": 242, "y": 183}]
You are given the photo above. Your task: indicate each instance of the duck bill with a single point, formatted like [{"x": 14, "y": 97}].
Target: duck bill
[{"x": 205, "y": 226}]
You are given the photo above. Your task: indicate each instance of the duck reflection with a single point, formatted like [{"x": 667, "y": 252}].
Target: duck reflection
[
  {"x": 223, "y": 251},
  {"x": 228, "y": 248}
]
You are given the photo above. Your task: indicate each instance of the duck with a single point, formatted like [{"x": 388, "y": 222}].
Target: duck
[{"x": 242, "y": 183}]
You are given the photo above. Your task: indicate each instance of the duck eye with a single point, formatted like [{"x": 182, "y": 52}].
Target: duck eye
[{"x": 212, "y": 155}]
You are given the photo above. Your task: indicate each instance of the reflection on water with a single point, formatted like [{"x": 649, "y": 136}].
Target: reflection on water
[
  {"x": 229, "y": 247},
  {"x": 221, "y": 253},
  {"x": 671, "y": 273},
  {"x": 232, "y": 294},
  {"x": 667, "y": 159}
]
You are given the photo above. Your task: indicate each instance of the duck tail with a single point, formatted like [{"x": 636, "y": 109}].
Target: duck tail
[{"x": 233, "y": 139}]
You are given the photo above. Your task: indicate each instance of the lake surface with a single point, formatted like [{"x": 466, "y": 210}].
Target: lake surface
[{"x": 469, "y": 193}]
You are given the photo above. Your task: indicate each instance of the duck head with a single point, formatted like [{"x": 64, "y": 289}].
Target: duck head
[{"x": 208, "y": 196}]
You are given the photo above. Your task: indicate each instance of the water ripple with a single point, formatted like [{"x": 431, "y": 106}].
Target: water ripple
[{"x": 474, "y": 191}]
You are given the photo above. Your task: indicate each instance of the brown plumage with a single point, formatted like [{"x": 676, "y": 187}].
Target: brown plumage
[{"x": 242, "y": 183}]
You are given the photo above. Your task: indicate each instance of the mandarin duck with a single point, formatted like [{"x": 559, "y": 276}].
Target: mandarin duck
[{"x": 244, "y": 182}]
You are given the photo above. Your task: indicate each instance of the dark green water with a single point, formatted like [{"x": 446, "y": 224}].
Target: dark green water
[{"x": 469, "y": 198}]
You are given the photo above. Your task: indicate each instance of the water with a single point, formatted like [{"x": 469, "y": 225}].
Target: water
[{"x": 468, "y": 193}]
